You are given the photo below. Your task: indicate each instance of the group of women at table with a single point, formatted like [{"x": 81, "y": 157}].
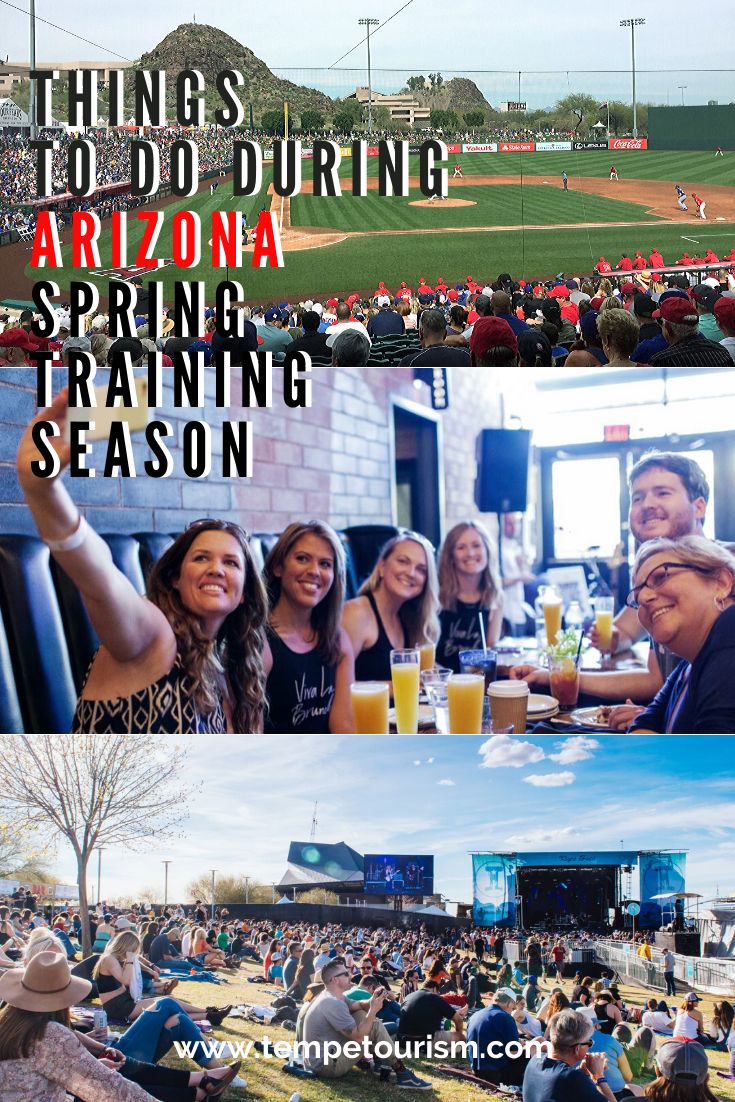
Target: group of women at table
[{"x": 216, "y": 647}]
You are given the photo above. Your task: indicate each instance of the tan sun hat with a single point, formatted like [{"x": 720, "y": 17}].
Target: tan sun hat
[{"x": 45, "y": 985}]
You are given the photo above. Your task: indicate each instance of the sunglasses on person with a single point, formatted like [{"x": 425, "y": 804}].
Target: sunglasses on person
[
  {"x": 228, "y": 526},
  {"x": 658, "y": 577}
]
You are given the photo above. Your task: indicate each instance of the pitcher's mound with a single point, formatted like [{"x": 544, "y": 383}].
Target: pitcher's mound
[{"x": 439, "y": 203}]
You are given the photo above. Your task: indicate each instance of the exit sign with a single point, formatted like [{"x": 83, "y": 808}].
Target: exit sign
[{"x": 615, "y": 433}]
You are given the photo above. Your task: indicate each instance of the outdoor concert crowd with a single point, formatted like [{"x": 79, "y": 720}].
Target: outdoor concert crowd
[{"x": 403, "y": 986}]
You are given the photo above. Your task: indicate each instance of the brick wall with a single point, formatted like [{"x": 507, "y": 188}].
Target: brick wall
[{"x": 331, "y": 461}]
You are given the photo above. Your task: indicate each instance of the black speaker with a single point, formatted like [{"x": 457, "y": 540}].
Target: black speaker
[{"x": 502, "y": 470}]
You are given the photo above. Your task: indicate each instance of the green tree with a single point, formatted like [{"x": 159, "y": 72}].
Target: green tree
[
  {"x": 229, "y": 889},
  {"x": 416, "y": 84},
  {"x": 474, "y": 119},
  {"x": 382, "y": 119},
  {"x": 272, "y": 122},
  {"x": 93, "y": 793},
  {"x": 318, "y": 895},
  {"x": 443, "y": 120},
  {"x": 312, "y": 120},
  {"x": 343, "y": 122},
  {"x": 579, "y": 107}
]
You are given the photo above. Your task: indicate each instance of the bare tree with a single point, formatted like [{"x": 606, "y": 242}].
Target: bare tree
[
  {"x": 18, "y": 847},
  {"x": 93, "y": 792}
]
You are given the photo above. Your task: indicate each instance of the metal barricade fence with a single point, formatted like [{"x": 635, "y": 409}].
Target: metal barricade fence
[{"x": 690, "y": 973}]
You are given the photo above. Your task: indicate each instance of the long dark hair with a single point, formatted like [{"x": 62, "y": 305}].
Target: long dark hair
[
  {"x": 326, "y": 617},
  {"x": 234, "y": 659},
  {"x": 21, "y": 1029}
]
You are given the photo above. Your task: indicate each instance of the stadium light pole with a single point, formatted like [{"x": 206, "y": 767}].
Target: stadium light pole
[
  {"x": 165, "y": 880},
  {"x": 369, "y": 23},
  {"x": 682, "y": 88},
  {"x": 32, "y": 56},
  {"x": 633, "y": 23}
]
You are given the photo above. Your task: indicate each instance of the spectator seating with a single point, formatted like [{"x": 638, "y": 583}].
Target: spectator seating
[{"x": 46, "y": 639}]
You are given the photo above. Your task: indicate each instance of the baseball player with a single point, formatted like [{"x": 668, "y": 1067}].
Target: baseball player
[
  {"x": 213, "y": 187},
  {"x": 458, "y": 172},
  {"x": 613, "y": 172},
  {"x": 700, "y": 206},
  {"x": 718, "y": 152},
  {"x": 565, "y": 181},
  {"x": 680, "y": 197}
]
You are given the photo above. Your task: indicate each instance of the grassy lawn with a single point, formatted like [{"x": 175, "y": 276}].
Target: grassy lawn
[
  {"x": 266, "y": 1080},
  {"x": 360, "y": 263}
]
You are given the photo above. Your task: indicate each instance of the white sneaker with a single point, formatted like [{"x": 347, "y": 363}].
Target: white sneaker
[{"x": 238, "y": 1081}]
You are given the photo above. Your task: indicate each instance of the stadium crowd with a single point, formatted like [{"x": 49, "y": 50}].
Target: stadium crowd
[
  {"x": 406, "y": 987},
  {"x": 671, "y": 318}
]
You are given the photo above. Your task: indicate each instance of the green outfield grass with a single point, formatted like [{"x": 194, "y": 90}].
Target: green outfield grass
[{"x": 358, "y": 264}]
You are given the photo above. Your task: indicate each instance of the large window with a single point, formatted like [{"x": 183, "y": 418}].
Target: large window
[{"x": 586, "y": 497}]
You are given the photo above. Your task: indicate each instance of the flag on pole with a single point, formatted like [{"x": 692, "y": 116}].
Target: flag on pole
[{"x": 285, "y": 119}]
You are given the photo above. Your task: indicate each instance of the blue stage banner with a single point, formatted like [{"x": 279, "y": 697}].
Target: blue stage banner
[
  {"x": 659, "y": 873},
  {"x": 494, "y": 889},
  {"x": 594, "y": 857}
]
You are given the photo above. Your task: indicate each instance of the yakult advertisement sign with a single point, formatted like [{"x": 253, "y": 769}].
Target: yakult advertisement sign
[
  {"x": 488, "y": 147},
  {"x": 628, "y": 143},
  {"x": 552, "y": 147},
  {"x": 516, "y": 147}
]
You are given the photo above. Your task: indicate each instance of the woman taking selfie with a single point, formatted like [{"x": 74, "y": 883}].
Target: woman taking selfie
[{"x": 186, "y": 659}]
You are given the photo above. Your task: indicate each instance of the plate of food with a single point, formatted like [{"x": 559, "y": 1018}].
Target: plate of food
[
  {"x": 426, "y": 716},
  {"x": 599, "y": 718}
]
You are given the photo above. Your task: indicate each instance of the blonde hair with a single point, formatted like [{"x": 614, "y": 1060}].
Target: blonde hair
[
  {"x": 419, "y": 615},
  {"x": 489, "y": 584},
  {"x": 619, "y": 328},
  {"x": 118, "y": 947},
  {"x": 41, "y": 940}
]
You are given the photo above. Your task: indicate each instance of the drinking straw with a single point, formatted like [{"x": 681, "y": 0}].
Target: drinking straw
[
  {"x": 482, "y": 631},
  {"x": 579, "y": 647}
]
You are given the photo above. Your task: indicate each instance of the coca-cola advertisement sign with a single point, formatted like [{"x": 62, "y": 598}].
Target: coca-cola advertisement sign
[
  {"x": 628, "y": 143},
  {"x": 517, "y": 147}
]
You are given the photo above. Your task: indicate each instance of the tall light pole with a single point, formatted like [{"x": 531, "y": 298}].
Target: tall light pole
[
  {"x": 213, "y": 871},
  {"x": 633, "y": 23},
  {"x": 681, "y": 88},
  {"x": 369, "y": 23},
  {"x": 247, "y": 889},
  {"x": 99, "y": 874},
  {"x": 165, "y": 880},
  {"x": 32, "y": 101}
]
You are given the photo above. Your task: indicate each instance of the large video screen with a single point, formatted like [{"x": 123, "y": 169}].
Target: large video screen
[{"x": 399, "y": 874}]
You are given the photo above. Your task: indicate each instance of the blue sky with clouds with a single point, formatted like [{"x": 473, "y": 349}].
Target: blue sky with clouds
[
  {"x": 444, "y": 796},
  {"x": 429, "y": 35}
]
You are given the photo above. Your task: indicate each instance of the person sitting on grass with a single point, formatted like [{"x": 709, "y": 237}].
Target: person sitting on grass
[
  {"x": 683, "y": 1074},
  {"x": 331, "y": 1020}
]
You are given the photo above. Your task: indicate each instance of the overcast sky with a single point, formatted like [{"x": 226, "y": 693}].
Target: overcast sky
[
  {"x": 428, "y": 35},
  {"x": 441, "y": 796}
]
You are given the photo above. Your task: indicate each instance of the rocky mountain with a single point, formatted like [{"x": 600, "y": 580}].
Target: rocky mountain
[
  {"x": 199, "y": 46},
  {"x": 459, "y": 94}
]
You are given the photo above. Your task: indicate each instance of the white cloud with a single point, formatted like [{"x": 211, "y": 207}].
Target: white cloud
[
  {"x": 446, "y": 781},
  {"x": 537, "y": 837},
  {"x": 578, "y": 748},
  {"x": 429, "y": 761},
  {"x": 417, "y": 761},
  {"x": 502, "y": 750},
  {"x": 550, "y": 780}
]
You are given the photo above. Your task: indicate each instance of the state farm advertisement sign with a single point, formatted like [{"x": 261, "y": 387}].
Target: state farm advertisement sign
[
  {"x": 488, "y": 147},
  {"x": 455, "y": 147},
  {"x": 628, "y": 143},
  {"x": 517, "y": 147}
]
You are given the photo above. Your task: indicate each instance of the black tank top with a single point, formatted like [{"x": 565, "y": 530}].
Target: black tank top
[
  {"x": 300, "y": 691},
  {"x": 373, "y": 663},
  {"x": 460, "y": 630}
]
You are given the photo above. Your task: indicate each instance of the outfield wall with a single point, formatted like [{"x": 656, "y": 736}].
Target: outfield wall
[{"x": 691, "y": 127}]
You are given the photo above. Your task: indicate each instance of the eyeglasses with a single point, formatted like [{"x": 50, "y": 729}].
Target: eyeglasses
[
  {"x": 337, "y": 975},
  {"x": 657, "y": 577},
  {"x": 228, "y": 526}
]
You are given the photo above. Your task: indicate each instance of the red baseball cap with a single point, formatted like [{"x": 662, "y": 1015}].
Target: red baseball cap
[
  {"x": 628, "y": 288},
  {"x": 452, "y": 294},
  {"x": 679, "y": 310},
  {"x": 491, "y": 332},
  {"x": 16, "y": 337},
  {"x": 724, "y": 311}
]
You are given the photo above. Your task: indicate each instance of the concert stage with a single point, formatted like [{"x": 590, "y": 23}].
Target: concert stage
[{"x": 587, "y": 890}]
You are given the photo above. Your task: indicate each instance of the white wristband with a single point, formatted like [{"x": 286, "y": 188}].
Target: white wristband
[{"x": 76, "y": 539}]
